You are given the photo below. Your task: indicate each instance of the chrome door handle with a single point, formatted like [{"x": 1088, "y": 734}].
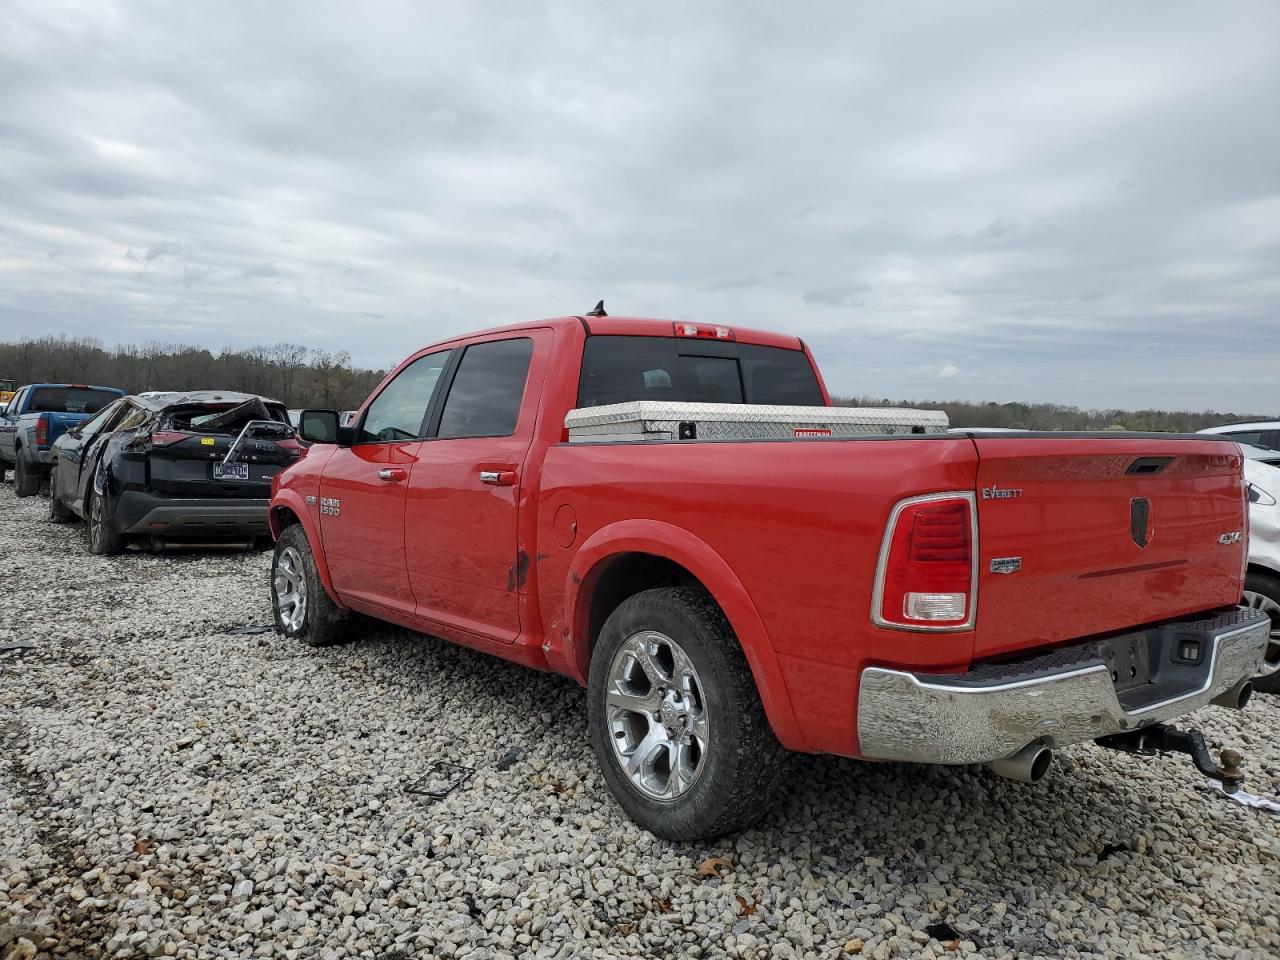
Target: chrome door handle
[
  {"x": 392, "y": 474},
  {"x": 499, "y": 478}
]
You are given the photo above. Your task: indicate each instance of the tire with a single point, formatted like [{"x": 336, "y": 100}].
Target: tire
[
  {"x": 26, "y": 478},
  {"x": 717, "y": 781},
  {"x": 1262, "y": 591},
  {"x": 299, "y": 602},
  {"x": 103, "y": 540},
  {"x": 4, "y": 471},
  {"x": 57, "y": 512}
]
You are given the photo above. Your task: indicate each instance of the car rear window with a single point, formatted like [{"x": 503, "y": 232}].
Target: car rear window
[
  {"x": 196, "y": 416},
  {"x": 69, "y": 400},
  {"x": 622, "y": 369}
]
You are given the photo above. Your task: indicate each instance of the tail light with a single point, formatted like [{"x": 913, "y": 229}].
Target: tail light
[
  {"x": 161, "y": 438},
  {"x": 42, "y": 430},
  {"x": 167, "y": 438},
  {"x": 927, "y": 575},
  {"x": 293, "y": 448}
]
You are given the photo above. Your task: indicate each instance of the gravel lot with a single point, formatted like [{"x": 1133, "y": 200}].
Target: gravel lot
[{"x": 172, "y": 789}]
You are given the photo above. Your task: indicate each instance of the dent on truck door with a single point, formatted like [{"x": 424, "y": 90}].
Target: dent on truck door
[
  {"x": 464, "y": 494},
  {"x": 362, "y": 490}
]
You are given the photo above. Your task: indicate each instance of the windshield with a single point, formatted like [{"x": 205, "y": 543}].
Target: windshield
[
  {"x": 69, "y": 399},
  {"x": 621, "y": 369}
]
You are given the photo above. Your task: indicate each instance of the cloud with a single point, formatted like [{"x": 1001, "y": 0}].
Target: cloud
[
  {"x": 1066, "y": 192},
  {"x": 949, "y": 371}
]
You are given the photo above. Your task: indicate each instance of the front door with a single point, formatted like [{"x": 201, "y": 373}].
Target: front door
[
  {"x": 464, "y": 493},
  {"x": 362, "y": 491}
]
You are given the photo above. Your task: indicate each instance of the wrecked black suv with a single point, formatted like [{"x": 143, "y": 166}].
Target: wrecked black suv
[{"x": 172, "y": 467}]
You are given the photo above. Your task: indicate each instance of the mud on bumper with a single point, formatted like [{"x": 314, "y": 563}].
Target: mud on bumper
[{"x": 1069, "y": 695}]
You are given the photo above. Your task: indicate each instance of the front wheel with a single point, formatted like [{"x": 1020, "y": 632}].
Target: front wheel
[
  {"x": 302, "y": 607},
  {"x": 675, "y": 719},
  {"x": 103, "y": 539},
  {"x": 26, "y": 476},
  {"x": 1262, "y": 592}
]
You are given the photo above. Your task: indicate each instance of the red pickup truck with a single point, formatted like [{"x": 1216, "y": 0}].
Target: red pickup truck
[{"x": 925, "y": 597}]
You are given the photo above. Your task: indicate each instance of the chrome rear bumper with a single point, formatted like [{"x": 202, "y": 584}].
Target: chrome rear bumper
[{"x": 1063, "y": 697}]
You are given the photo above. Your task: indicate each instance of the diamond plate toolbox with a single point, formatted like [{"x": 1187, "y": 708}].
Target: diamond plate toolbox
[{"x": 658, "y": 420}]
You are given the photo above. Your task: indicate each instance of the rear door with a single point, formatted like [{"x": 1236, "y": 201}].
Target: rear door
[
  {"x": 362, "y": 490},
  {"x": 78, "y": 455},
  {"x": 465, "y": 490},
  {"x": 1088, "y": 536}
]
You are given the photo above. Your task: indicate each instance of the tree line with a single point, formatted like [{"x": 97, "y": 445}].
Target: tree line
[
  {"x": 1054, "y": 416},
  {"x": 289, "y": 372},
  {"x": 299, "y": 377}
]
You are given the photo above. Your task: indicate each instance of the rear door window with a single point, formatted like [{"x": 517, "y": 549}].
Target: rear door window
[
  {"x": 399, "y": 412},
  {"x": 69, "y": 399},
  {"x": 95, "y": 424},
  {"x": 622, "y": 369},
  {"x": 484, "y": 399}
]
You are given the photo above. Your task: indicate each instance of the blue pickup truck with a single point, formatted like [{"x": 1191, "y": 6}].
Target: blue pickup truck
[{"x": 39, "y": 414}]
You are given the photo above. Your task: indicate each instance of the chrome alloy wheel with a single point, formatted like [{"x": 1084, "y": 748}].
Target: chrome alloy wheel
[
  {"x": 290, "y": 587},
  {"x": 1268, "y": 606},
  {"x": 657, "y": 715}
]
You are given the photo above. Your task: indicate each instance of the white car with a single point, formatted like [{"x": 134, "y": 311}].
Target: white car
[
  {"x": 1262, "y": 582},
  {"x": 1258, "y": 433}
]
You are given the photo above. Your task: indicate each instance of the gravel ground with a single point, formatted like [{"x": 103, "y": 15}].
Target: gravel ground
[{"x": 172, "y": 789}]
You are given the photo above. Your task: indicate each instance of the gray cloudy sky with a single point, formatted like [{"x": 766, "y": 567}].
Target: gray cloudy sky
[{"x": 1067, "y": 202}]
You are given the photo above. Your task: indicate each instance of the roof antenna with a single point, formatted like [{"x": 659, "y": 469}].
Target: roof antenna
[{"x": 598, "y": 311}]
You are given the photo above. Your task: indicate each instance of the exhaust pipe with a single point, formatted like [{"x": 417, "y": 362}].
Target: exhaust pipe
[
  {"x": 1029, "y": 764},
  {"x": 1237, "y": 698}
]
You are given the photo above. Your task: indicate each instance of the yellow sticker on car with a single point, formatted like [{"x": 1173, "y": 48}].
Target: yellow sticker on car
[{"x": 206, "y": 441}]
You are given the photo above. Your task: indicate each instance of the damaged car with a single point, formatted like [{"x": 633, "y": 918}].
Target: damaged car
[{"x": 172, "y": 467}]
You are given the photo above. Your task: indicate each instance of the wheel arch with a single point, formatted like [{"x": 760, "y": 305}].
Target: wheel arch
[
  {"x": 625, "y": 558},
  {"x": 288, "y": 510}
]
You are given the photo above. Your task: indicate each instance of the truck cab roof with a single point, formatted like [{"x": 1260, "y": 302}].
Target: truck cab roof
[{"x": 646, "y": 327}]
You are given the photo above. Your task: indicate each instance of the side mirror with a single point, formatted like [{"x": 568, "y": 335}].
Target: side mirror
[{"x": 323, "y": 426}]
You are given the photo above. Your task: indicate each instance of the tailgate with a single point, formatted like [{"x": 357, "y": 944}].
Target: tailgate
[
  {"x": 60, "y": 423},
  {"x": 1111, "y": 533},
  {"x": 190, "y": 465}
]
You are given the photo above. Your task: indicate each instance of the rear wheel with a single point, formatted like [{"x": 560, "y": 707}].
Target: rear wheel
[
  {"x": 57, "y": 512},
  {"x": 26, "y": 476},
  {"x": 1262, "y": 592},
  {"x": 103, "y": 539},
  {"x": 676, "y": 721},
  {"x": 302, "y": 607}
]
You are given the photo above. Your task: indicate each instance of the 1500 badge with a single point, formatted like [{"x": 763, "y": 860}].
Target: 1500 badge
[{"x": 331, "y": 506}]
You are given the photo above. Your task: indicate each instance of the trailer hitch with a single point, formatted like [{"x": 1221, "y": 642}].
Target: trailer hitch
[{"x": 1162, "y": 738}]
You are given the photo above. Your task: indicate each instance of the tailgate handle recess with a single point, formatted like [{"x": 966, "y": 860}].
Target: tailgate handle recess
[{"x": 1148, "y": 466}]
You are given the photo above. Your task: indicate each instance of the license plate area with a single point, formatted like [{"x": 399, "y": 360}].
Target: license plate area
[
  {"x": 231, "y": 471},
  {"x": 1129, "y": 660}
]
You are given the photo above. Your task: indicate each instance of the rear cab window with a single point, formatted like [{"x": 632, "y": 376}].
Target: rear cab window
[
  {"x": 621, "y": 369},
  {"x": 487, "y": 391},
  {"x": 69, "y": 399}
]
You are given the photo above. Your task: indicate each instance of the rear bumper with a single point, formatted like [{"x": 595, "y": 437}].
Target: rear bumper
[
  {"x": 1063, "y": 697},
  {"x": 145, "y": 513}
]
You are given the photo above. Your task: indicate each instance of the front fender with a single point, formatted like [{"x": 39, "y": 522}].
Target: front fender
[
  {"x": 292, "y": 501},
  {"x": 680, "y": 546}
]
